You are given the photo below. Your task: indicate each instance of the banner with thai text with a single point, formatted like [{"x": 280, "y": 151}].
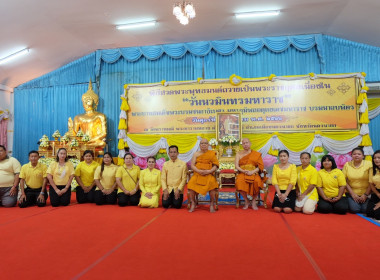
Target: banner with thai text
[{"x": 265, "y": 106}]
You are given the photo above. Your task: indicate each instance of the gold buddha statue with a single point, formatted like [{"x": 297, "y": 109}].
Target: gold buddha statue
[{"x": 92, "y": 123}]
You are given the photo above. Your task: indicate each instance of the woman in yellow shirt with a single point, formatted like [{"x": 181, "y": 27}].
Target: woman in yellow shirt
[
  {"x": 84, "y": 175},
  {"x": 150, "y": 185},
  {"x": 373, "y": 207},
  {"x": 357, "y": 177},
  {"x": 105, "y": 180},
  {"x": 284, "y": 179},
  {"x": 331, "y": 185},
  {"x": 60, "y": 174},
  {"x": 127, "y": 178}
]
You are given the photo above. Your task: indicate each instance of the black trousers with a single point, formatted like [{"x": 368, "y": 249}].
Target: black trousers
[
  {"x": 101, "y": 198},
  {"x": 171, "y": 201},
  {"x": 125, "y": 200},
  {"x": 339, "y": 207},
  {"x": 290, "y": 203},
  {"x": 83, "y": 197},
  {"x": 57, "y": 200},
  {"x": 31, "y": 198},
  {"x": 371, "y": 204}
]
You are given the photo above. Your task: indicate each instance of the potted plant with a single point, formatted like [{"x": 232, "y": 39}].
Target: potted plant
[
  {"x": 56, "y": 135},
  {"x": 74, "y": 144},
  {"x": 228, "y": 141}
]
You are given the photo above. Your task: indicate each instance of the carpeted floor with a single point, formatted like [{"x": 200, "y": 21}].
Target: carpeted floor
[{"x": 109, "y": 242}]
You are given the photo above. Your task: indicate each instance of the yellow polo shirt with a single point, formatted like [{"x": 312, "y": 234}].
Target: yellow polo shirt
[
  {"x": 150, "y": 181},
  {"x": 307, "y": 177},
  {"x": 61, "y": 174},
  {"x": 331, "y": 181},
  {"x": 283, "y": 178},
  {"x": 174, "y": 175},
  {"x": 357, "y": 177},
  {"x": 9, "y": 167},
  {"x": 33, "y": 176},
  {"x": 126, "y": 179},
  {"x": 108, "y": 178},
  {"x": 374, "y": 179},
  {"x": 86, "y": 172}
]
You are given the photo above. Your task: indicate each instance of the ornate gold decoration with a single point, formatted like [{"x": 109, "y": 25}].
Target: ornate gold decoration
[
  {"x": 331, "y": 92},
  {"x": 343, "y": 88}
]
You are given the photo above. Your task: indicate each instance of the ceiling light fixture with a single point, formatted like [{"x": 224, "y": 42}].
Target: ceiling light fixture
[
  {"x": 258, "y": 14},
  {"x": 136, "y": 25},
  {"x": 13, "y": 55},
  {"x": 183, "y": 12}
]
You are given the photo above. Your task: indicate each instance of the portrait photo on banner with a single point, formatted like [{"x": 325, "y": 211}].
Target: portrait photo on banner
[{"x": 228, "y": 124}]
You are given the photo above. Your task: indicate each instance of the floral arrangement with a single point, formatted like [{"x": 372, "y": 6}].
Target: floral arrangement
[
  {"x": 56, "y": 134},
  {"x": 228, "y": 140},
  {"x": 74, "y": 161},
  {"x": 160, "y": 163},
  {"x": 85, "y": 138},
  {"x": 213, "y": 142},
  {"x": 271, "y": 77},
  {"x": 269, "y": 161},
  {"x": 74, "y": 143},
  {"x": 161, "y": 158},
  {"x": 80, "y": 133},
  {"x": 65, "y": 138},
  {"x": 143, "y": 164},
  {"x": 226, "y": 165},
  {"x": 235, "y": 80},
  {"x": 48, "y": 161},
  {"x": 163, "y": 155},
  {"x": 340, "y": 160},
  {"x": 44, "y": 143},
  {"x": 44, "y": 138}
]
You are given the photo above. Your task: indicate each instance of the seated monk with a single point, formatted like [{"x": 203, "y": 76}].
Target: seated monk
[
  {"x": 249, "y": 164},
  {"x": 204, "y": 163}
]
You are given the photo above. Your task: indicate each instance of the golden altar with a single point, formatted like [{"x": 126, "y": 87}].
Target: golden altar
[
  {"x": 74, "y": 152},
  {"x": 226, "y": 177}
]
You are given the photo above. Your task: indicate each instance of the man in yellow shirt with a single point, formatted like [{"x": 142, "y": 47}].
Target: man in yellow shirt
[
  {"x": 307, "y": 195},
  {"x": 9, "y": 178},
  {"x": 173, "y": 180},
  {"x": 33, "y": 182}
]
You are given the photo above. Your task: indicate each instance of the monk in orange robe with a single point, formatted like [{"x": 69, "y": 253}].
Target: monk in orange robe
[
  {"x": 204, "y": 163},
  {"x": 249, "y": 164}
]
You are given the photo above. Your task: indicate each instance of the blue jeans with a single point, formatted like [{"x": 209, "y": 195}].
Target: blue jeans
[{"x": 355, "y": 207}]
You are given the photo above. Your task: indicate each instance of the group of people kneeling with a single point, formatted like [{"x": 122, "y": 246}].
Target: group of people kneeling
[
  {"x": 104, "y": 183},
  {"x": 355, "y": 189}
]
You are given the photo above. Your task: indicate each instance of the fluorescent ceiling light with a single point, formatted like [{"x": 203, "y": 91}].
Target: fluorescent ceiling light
[
  {"x": 136, "y": 25},
  {"x": 13, "y": 55},
  {"x": 258, "y": 14}
]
